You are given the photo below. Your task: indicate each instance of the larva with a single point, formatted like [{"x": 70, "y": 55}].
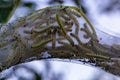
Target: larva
[{"x": 41, "y": 43}]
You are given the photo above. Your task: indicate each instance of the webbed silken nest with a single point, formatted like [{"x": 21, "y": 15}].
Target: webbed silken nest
[{"x": 57, "y": 30}]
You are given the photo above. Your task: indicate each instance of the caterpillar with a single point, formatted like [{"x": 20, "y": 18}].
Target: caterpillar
[{"x": 50, "y": 29}]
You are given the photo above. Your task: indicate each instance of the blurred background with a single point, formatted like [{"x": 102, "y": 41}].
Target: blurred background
[{"x": 104, "y": 15}]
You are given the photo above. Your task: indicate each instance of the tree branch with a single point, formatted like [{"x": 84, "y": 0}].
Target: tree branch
[{"x": 55, "y": 30}]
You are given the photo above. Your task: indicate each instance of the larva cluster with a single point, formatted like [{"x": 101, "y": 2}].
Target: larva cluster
[{"x": 55, "y": 30}]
